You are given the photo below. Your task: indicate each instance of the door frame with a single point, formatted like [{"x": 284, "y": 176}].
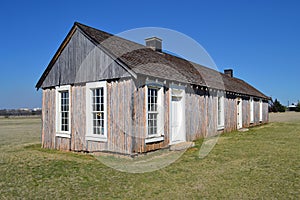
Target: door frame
[
  {"x": 177, "y": 87},
  {"x": 239, "y": 113}
]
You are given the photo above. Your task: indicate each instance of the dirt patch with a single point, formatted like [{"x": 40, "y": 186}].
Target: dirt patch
[{"x": 285, "y": 117}]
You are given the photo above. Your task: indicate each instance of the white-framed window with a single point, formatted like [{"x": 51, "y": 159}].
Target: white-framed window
[
  {"x": 63, "y": 105},
  {"x": 260, "y": 110},
  {"x": 220, "y": 110},
  {"x": 96, "y": 111},
  {"x": 251, "y": 110},
  {"x": 155, "y": 111}
]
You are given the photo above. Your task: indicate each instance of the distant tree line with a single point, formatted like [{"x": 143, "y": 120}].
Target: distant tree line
[
  {"x": 298, "y": 107},
  {"x": 276, "y": 106},
  {"x": 20, "y": 112}
]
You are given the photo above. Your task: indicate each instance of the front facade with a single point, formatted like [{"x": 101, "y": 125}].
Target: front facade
[{"x": 105, "y": 93}]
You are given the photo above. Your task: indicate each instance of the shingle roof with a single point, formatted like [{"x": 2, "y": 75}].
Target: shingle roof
[{"x": 143, "y": 60}]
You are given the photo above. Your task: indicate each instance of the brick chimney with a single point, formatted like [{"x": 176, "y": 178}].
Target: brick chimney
[
  {"x": 154, "y": 43},
  {"x": 228, "y": 72}
]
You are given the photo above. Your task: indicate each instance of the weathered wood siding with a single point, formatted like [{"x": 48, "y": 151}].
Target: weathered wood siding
[
  {"x": 256, "y": 113},
  {"x": 246, "y": 112},
  {"x": 48, "y": 119},
  {"x": 196, "y": 110},
  {"x": 265, "y": 112},
  {"x": 49, "y": 139},
  {"x": 126, "y": 117},
  {"x": 201, "y": 114},
  {"x": 120, "y": 127},
  {"x": 230, "y": 112},
  {"x": 120, "y": 121},
  {"x": 78, "y": 119},
  {"x": 82, "y": 61},
  {"x": 139, "y": 118},
  {"x": 166, "y": 141}
]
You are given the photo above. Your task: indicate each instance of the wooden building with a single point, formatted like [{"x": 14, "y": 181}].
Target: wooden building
[{"x": 105, "y": 93}]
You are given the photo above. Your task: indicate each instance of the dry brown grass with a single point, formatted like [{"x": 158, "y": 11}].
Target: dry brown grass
[{"x": 285, "y": 117}]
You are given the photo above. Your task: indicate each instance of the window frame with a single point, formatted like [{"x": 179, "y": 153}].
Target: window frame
[
  {"x": 59, "y": 131},
  {"x": 220, "y": 111},
  {"x": 160, "y": 113},
  {"x": 90, "y": 136},
  {"x": 260, "y": 110},
  {"x": 251, "y": 110}
]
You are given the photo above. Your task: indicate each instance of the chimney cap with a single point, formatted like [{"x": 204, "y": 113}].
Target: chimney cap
[
  {"x": 228, "y": 72},
  {"x": 153, "y": 38}
]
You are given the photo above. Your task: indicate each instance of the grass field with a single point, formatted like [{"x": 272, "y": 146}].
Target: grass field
[{"x": 263, "y": 163}]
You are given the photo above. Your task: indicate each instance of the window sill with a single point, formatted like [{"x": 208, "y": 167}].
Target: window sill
[
  {"x": 154, "y": 139},
  {"x": 63, "y": 135},
  {"x": 221, "y": 128},
  {"x": 96, "y": 139}
]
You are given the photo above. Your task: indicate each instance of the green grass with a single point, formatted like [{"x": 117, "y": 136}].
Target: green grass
[{"x": 261, "y": 163}]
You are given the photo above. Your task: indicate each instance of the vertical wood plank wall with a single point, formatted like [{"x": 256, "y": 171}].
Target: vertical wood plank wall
[
  {"x": 126, "y": 117},
  {"x": 139, "y": 120},
  {"x": 120, "y": 127},
  {"x": 78, "y": 123},
  {"x": 48, "y": 119},
  {"x": 80, "y": 62},
  {"x": 230, "y": 114}
]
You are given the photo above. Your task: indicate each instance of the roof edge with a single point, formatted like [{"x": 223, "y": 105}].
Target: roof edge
[
  {"x": 56, "y": 55},
  {"x": 64, "y": 44},
  {"x": 120, "y": 62}
]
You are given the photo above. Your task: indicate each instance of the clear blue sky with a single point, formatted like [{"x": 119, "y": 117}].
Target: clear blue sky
[{"x": 259, "y": 39}]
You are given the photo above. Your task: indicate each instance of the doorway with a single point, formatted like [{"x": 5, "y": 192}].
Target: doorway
[{"x": 177, "y": 116}]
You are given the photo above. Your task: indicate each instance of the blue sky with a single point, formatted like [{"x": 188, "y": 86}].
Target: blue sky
[{"x": 259, "y": 39}]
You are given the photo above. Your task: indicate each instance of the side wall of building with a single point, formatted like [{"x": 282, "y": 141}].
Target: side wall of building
[
  {"x": 201, "y": 114},
  {"x": 126, "y": 118},
  {"x": 120, "y": 123}
]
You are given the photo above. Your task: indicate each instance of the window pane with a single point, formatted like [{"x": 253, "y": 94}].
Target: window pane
[
  {"x": 64, "y": 110},
  {"x": 152, "y": 110},
  {"x": 152, "y": 123},
  {"x": 97, "y": 112}
]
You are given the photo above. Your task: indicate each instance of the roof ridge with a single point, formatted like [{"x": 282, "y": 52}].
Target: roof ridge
[
  {"x": 80, "y": 25},
  {"x": 163, "y": 54},
  {"x": 136, "y": 57},
  {"x": 83, "y": 26}
]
